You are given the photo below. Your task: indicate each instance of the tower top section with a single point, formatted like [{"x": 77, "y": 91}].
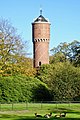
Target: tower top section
[{"x": 41, "y": 18}]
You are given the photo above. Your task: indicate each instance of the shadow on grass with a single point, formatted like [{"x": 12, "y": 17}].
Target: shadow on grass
[
  {"x": 33, "y": 118},
  {"x": 66, "y": 110},
  {"x": 5, "y": 116}
]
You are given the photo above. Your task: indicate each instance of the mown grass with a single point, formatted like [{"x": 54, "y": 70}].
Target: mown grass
[{"x": 25, "y": 111}]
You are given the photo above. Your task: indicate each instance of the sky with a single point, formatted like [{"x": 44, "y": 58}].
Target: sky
[{"x": 64, "y": 16}]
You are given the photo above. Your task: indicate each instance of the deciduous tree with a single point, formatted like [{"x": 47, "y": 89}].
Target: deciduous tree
[{"x": 13, "y": 58}]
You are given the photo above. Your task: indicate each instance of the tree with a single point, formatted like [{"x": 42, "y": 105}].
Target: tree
[
  {"x": 61, "y": 48},
  {"x": 13, "y": 58},
  {"x": 75, "y": 50},
  {"x": 58, "y": 57},
  {"x": 69, "y": 51},
  {"x": 10, "y": 43},
  {"x": 63, "y": 79}
]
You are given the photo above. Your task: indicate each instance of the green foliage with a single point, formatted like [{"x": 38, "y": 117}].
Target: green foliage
[
  {"x": 58, "y": 57},
  {"x": 60, "y": 77},
  {"x": 42, "y": 93},
  {"x": 63, "y": 79},
  {"x": 13, "y": 60},
  {"x": 21, "y": 88},
  {"x": 67, "y": 51}
]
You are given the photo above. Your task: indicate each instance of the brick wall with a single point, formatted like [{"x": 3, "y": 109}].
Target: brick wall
[{"x": 41, "y": 37}]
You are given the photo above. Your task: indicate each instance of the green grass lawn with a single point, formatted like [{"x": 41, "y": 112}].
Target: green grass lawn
[{"x": 25, "y": 111}]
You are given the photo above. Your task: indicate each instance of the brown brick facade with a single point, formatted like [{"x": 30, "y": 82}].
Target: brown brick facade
[
  {"x": 41, "y": 38},
  {"x": 41, "y": 30}
]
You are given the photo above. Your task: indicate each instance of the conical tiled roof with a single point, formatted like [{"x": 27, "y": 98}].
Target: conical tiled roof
[{"x": 41, "y": 19}]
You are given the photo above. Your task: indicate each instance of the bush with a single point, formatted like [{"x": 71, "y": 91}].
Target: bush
[
  {"x": 63, "y": 79},
  {"x": 21, "y": 88}
]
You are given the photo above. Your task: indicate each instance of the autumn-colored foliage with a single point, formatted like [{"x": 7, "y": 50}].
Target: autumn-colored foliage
[{"x": 13, "y": 58}]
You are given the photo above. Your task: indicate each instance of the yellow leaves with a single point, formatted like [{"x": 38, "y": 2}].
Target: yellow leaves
[
  {"x": 20, "y": 66},
  {"x": 1, "y": 71},
  {"x": 12, "y": 58},
  {"x": 29, "y": 72}
]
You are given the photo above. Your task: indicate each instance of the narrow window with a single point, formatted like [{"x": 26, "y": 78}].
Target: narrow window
[{"x": 40, "y": 63}]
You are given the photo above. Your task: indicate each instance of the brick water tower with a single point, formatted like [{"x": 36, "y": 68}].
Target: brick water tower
[{"x": 41, "y": 38}]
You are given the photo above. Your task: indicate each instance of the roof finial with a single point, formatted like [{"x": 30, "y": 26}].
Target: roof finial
[{"x": 40, "y": 10}]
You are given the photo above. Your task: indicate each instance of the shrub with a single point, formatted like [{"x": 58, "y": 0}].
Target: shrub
[{"x": 22, "y": 88}]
